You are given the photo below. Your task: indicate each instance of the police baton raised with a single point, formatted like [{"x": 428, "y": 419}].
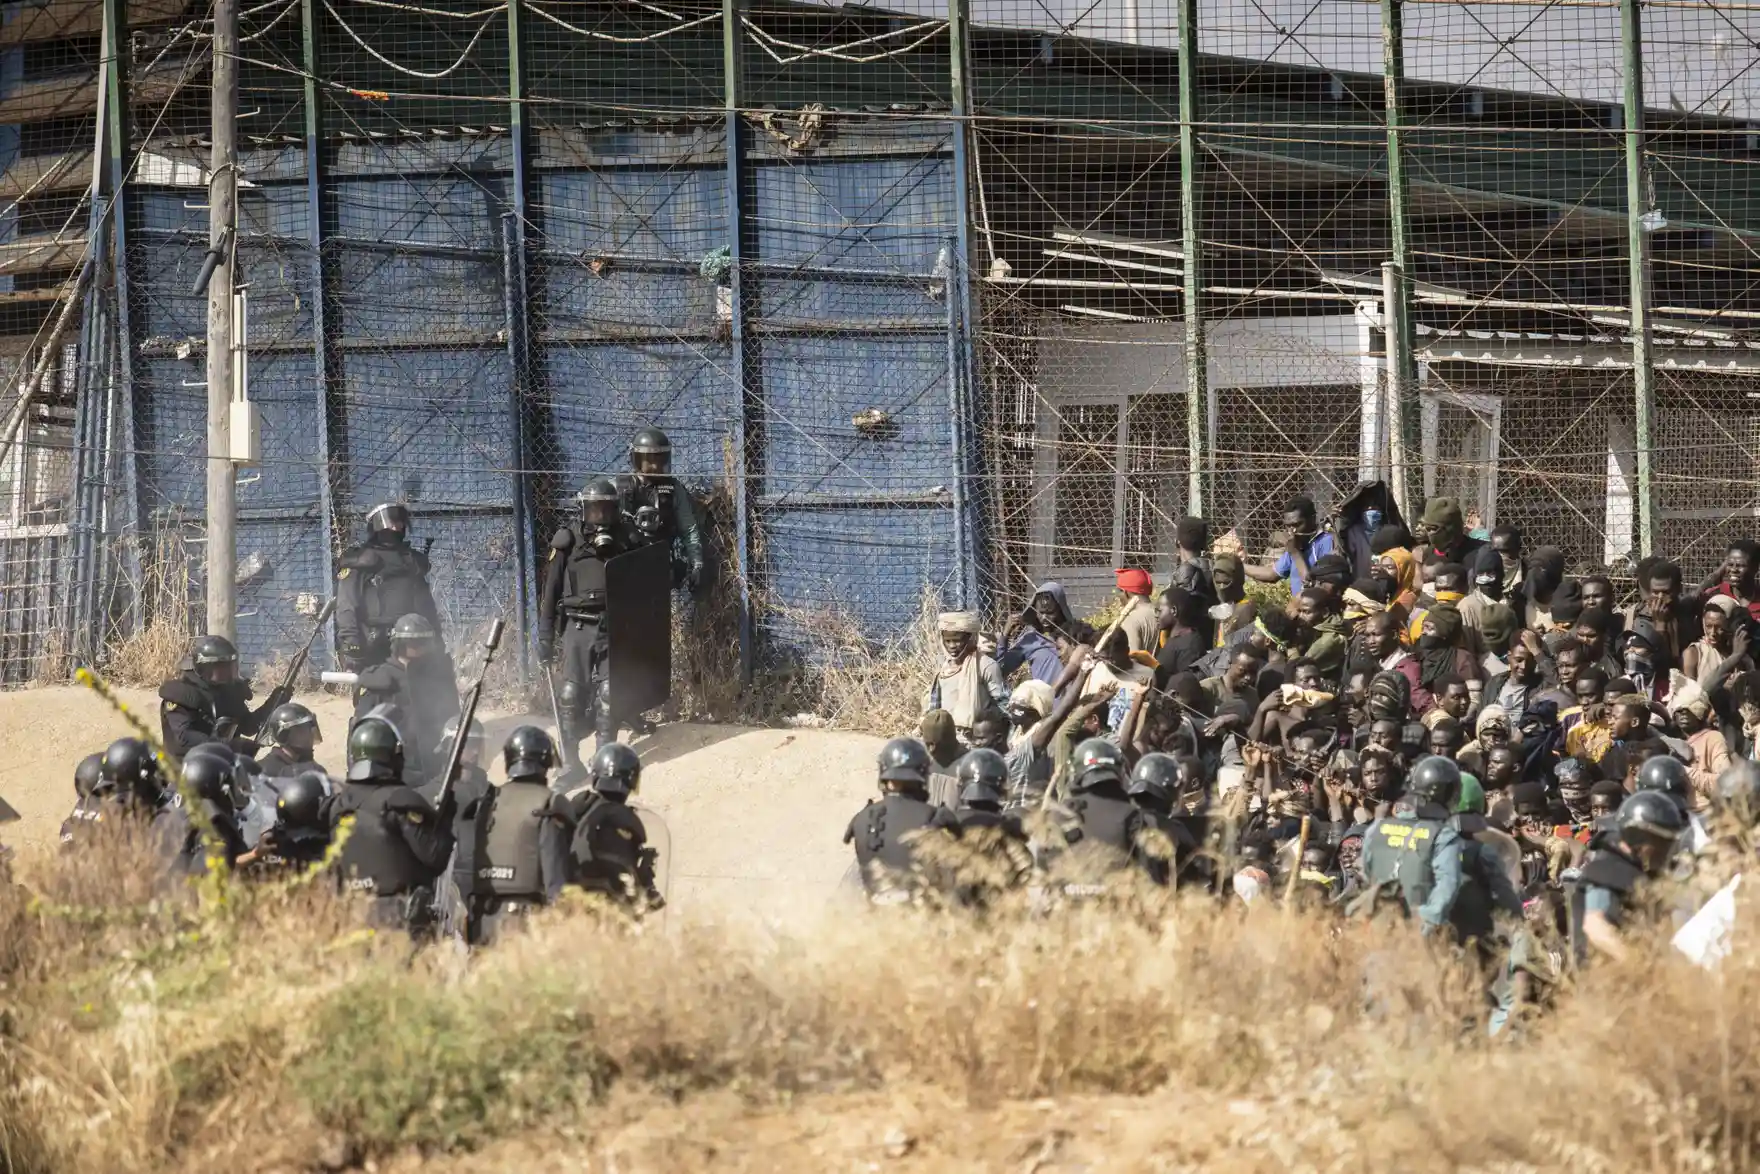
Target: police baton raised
[
  {"x": 299, "y": 658},
  {"x": 468, "y": 714}
]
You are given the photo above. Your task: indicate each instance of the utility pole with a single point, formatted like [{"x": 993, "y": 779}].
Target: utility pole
[{"x": 222, "y": 221}]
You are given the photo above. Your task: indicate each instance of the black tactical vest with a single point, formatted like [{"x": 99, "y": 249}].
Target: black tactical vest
[
  {"x": 394, "y": 582},
  {"x": 1399, "y": 849},
  {"x": 506, "y": 835},
  {"x": 375, "y": 857},
  {"x": 583, "y": 580},
  {"x": 882, "y": 830},
  {"x": 1106, "y": 820}
]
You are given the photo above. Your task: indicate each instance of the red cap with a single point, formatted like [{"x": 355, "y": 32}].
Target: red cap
[{"x": 1133, "y": 581}]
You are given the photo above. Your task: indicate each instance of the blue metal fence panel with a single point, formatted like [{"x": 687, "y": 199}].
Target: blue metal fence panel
[
  {"x": 602, "y": 394},
  {"x": 426, "y": 426},
  {"x": 855, "y": 505}
]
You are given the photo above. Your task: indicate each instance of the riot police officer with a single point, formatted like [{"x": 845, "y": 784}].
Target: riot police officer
[
  {"x": 519, "y": 836},
  {"x": 996, "y": 839},
  {"x": 1668, "y": 774},
  {"x": 130, "y": 787},
  {"x": 207, "y": 702},
  {"x": 610, "y": 853},
  {"x": 208, "y": 780},
  {"x": 292, "y": 731},
  {"x": 1647, "y": 827},
  {"x": 417, "y": 680},
  {"x": 659, "y": 509},
  {"x": 1101, "y": 826},
  {"x": 468, "y": 788},
  {"x": 399, "y": 844},
  {"x": 1155, "y": 782},
  {"x": 1414, "y": 854},
  {"x": 378, "y": 582},
  {"x": 886, "y": 848},
  {"x": 300, "y": 837},
  {"x": 571, "y": 609}
]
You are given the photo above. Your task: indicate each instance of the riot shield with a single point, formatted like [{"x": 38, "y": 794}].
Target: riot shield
[
  {"x": 660, "y": 841},
  {"x": 638, "y": 608}
]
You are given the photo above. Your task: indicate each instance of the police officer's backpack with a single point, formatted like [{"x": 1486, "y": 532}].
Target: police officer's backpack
[{"x": 508, "y": 830}]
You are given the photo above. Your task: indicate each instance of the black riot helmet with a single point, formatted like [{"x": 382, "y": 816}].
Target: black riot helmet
[
  {"x": 412, "y": 633},
  {"x": 1435, "y": 780},
  {"x": 215, "y": 659},
  {"x": 473, "y": 741},
  {"x": 1652, "y": 816},
  {"x": 207, "y": 776},
  {"x": 1663, "y": 772},
  {"x": 983, "y": 774},
  {"x": 905, "y": 760},
  {"x": 238, "y": 769},
  {"x": 375, "y": 751},
  {"x": 1155, "y": 781},
  {"x": 617, "y": 770},
  {"x": 650, "y": 453},
  {"x": 1737, "y": 797},
  {"x": 1096, "y": 762},
  {"x": 388, "y": 521},
  {"x": 301, "y": 802},
  {"x": 284, "y": 720},
  {"x": 529, "y": 754},
  {"x": 88, "y": 774},
  {"x": 599, "y": 504},
  {"x": 130, "y": 768}
]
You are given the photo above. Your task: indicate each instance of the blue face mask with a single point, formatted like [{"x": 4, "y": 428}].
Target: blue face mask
[{"x": 1371, "y": 520}]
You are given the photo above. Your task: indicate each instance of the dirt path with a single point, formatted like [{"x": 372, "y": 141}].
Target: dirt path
[{"x": 756, "y": 815}]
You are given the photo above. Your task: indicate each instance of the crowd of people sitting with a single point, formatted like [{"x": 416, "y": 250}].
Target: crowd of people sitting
[{"x": 1420, "y": 687}]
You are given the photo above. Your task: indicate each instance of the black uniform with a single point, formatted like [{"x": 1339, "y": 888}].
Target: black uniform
[
  {"x": 1000, "y": 840},
  {"x": 659, "y": 509},
  {"x": 192, "y": 848},
  {"x": 520, "y": 837},
  {"x": 397, "y": 850},
  {"x": 191, "y": 709},
  {"x": 168, "y": 826},
  {"x": 1106, "y": 828},
  {"x": 609, "y": 853},
  {"x": 470, "y": 787},
  {"x": 426, "y": 696},
  {"x": 885, "y": 849},
  {"x": 378, "y": 582},
  {"x": 571, "y": 609},
  {"x": 292, "y": 850},
  {"x": 280, "y": 764}
]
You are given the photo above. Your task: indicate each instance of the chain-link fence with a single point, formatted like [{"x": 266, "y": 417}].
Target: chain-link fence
[{"x": 956, "y": 298}]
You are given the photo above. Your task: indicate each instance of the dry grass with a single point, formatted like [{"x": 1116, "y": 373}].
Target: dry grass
[
  {"x": 853, "y": 682},
  {"x": 255, "y": 1030}
]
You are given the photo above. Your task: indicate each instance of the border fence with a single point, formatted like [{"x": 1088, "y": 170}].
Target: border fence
[{"x": 956, "y": 297}]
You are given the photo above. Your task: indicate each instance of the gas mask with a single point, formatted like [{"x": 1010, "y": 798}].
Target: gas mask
[
  {"x": 649, "y": 521},
  {"x": 602, "y": 540}
]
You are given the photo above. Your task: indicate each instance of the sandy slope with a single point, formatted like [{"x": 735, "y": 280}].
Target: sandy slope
[{"x": 756, "y": 815}]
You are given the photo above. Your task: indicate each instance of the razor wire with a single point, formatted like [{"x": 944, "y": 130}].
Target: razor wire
[{"x": 496, "y": 323}]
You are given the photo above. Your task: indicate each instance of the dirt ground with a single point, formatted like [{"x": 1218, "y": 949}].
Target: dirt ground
[{"x": 756, "y": 815}]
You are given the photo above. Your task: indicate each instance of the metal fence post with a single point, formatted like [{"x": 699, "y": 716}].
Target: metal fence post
[
  {"x": 1200, "y": 399},
  {"x": 741, "y": 360},
  {"x": 1638, "y": 258},
  {"x": 116, "y": 160},
  {"x": 323, "y": 345},
  {"x": 519, "y": 345},
  {"x": 959, "y": 307},
  {"x": 1402, "y": 369}
]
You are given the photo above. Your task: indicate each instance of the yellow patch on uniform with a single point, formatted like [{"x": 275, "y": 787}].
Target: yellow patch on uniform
[
  {"x": 626, "y": 833},
  {"x": 343, "y": 573},
  {"x": 415, "y": 817},
  {"x": 552, "y": 557}
]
